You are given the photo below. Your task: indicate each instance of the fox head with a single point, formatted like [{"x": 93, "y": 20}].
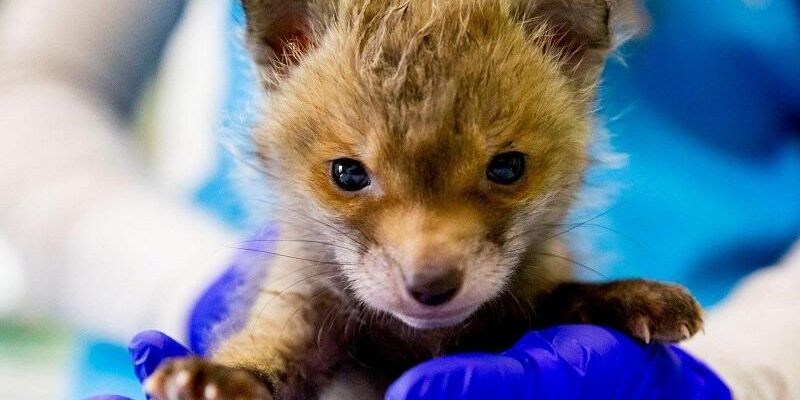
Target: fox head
[{"x": 436, "y": 142}]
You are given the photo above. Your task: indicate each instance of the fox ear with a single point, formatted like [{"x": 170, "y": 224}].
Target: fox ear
[
  {"x": 578, "y": 31},
  {"x": 281, "y": 32}
]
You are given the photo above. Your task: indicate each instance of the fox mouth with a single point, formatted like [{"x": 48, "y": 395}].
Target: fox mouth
[{"x": 434, "y": 321}]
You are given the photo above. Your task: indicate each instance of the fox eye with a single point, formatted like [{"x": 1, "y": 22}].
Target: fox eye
[
  {"x": 506, "y": 168},
  {"x": 349, "y": 174}
]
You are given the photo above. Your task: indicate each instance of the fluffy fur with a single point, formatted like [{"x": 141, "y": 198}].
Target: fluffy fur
[{"x": 424, "y": 93}]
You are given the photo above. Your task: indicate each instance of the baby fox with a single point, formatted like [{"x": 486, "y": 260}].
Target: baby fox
[{"x": 425, "y": 154}]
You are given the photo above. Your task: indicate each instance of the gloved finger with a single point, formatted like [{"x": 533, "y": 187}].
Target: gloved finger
[
  {"x": 559, "y": 358},
  {"x": 463, "y": 376},
  {"x": 149, "y": 348},
  {"x": 591, "y": 362}
]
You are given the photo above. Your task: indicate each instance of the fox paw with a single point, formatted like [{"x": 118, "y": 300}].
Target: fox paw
[{"x": 193, "y": 378}]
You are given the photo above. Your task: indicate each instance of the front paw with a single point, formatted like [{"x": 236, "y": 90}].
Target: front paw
[
  {"x": 194, "y": 378},
  {"x": 644, "y": 309},
  {"x": 658, "y": 311}
]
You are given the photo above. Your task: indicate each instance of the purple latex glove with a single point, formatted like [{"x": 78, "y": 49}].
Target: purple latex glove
[
  {"x": 564, "y": 362},
  {"x": 573, "y": 362},
  {"x": 148, "y": 349}
]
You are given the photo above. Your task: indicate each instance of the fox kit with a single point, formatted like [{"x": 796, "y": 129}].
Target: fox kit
[{"x": 425, "y": 154}]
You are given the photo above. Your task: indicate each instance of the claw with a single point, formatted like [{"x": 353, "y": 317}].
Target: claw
[
  {"x": 642, "y": 329},
  {"x": 685, "y": 332}
]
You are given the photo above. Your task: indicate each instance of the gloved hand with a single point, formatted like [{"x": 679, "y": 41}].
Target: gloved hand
[
  {"x": 571, "y": 362},
  {"x": 566, "y": 363}
]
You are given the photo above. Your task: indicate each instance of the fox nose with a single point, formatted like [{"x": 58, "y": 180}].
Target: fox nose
[{"x": 434, "y": 286}]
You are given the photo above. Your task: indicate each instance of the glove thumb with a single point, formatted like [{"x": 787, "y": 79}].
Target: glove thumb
[{"x": 149, "y": 348}]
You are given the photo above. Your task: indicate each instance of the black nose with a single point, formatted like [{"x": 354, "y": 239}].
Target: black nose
[{"x": 434, "y": 286}]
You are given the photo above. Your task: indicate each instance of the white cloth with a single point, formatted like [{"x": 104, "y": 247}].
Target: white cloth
[{"x": 753, "y": 339}]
